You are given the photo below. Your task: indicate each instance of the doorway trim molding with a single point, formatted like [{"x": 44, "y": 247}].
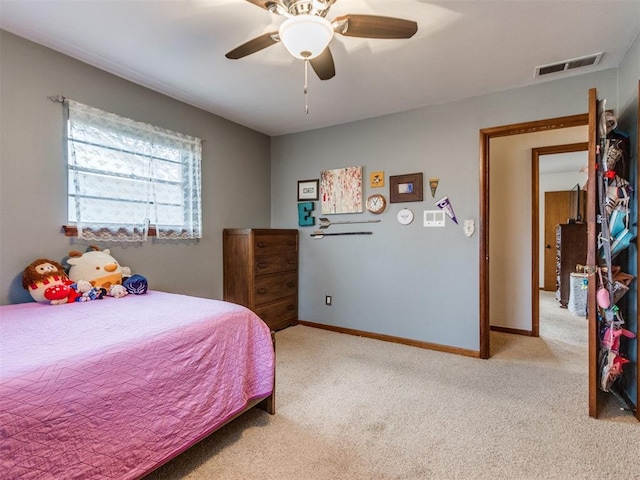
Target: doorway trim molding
[
  {"x": 535, "y": 222},
  {"x": 486, "y": 135}
]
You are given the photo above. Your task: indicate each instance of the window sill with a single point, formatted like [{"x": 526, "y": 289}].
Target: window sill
[{"x": 72, "y": 231}]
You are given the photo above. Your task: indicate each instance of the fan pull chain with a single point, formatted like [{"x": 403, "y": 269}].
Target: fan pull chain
[{"x": 306, "y": 89}]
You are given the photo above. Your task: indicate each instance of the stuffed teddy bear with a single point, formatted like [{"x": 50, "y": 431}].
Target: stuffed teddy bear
[
  {"x": 97, "y": 267},
  {"x": 47, "y": 282}
]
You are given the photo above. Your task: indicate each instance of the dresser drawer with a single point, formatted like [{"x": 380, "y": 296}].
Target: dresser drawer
[
  {"x": 265, "y": 264},
  {"x": 272, "y": 287},
  {"x": 261, "y": 272},
  {"x": 273, "y": 244},
  {"x": 279, "y": 314}
]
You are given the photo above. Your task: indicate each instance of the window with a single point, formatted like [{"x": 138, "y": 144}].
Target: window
[{"x": 127, "y": 177}]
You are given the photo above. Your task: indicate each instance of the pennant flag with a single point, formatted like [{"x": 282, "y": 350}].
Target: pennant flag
[
  {"x": 445, "y": 205},
  {"x": 433, "y": 183}
]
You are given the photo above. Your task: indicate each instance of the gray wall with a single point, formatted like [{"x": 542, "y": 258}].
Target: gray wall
[
  {"x": 409, "y": 281},
  {"x": 406, "y": 281},
  {"x": 235, "y": 164}
]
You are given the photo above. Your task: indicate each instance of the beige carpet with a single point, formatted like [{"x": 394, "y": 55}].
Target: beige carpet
[{"x": 356, "y": 408}]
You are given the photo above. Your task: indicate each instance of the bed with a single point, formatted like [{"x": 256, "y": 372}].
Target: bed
[{"x": 114, "y": 388}]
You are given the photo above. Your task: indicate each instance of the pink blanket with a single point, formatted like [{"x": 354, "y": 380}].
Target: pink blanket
[{"x": 113, "y": 388}]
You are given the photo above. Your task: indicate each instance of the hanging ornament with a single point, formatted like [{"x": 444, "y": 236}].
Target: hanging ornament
[{"x": 469, "y": 227}]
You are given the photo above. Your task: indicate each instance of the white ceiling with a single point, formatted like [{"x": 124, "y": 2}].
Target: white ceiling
[
  {"x": 462, "y": 49},
  {"x": 571, "y": 162}
]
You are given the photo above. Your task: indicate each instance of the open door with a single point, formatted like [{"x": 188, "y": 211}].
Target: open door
[
  {"x": 592, "y": 251},
  {"x": 558, "y": 209},
  {"x": 637, "y": 256},
  {"x": 599, "y": 172},
  {"x": 590, "y": 119}
]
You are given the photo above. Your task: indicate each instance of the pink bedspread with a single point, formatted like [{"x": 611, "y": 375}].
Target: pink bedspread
[{"x": 112, "y": 388}]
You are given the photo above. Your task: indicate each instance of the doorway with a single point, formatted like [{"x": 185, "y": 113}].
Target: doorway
[
  {"x": 486, "y": 135},
  {"x": 553, "y": 167}
]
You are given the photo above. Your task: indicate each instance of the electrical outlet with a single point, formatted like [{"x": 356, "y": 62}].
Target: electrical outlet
[{"x": 327, "y": 300}]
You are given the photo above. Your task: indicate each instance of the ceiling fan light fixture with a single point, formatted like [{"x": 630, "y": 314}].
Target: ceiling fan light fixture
[{"x": 306, "y": 36}]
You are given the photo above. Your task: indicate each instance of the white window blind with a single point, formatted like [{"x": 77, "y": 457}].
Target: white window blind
[{"x": 125, "y": 176}]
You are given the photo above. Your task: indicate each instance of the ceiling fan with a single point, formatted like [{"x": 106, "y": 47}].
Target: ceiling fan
[{"x": 306, "y": 32}]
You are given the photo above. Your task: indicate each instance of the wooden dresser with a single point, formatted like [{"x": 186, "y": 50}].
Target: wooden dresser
[
  {"x": 571, "y": 250},
  {"x": 261, "y": 273}
]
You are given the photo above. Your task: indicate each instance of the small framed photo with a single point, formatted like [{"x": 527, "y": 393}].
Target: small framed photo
[
  {"x": 405, "y": 188},
  {"x": 307, "y": 190},
  {"x": 376, "y": 179}
]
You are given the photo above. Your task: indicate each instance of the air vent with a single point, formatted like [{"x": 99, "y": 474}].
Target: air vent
[{"x": 567, "y": 65}]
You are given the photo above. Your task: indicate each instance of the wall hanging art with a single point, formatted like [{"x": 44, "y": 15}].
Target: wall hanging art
[
  {"x": 304, "y": 214},
  {"x": 326, "y": 223},
  {"x": 341, "y": 190},
  {"x": 307, "y": 190},
  {"x": 376, "y": 179},
  {"x": 405, "y": 188},
  {"x": 433, "y": 185},
  {"x": 445, "y": 205}
]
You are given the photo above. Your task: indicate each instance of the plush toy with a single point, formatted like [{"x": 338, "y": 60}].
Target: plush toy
[
  {"x": 97, "y": 267},
  {"x": 47, "y": 282},
  {"x": 136, "y": 284},
  {"x": 117, "y": 291},
  {"x": 87, "y": 291}
]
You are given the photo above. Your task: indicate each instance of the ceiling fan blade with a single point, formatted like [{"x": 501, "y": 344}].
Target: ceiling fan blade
[
  {"x": 374, "y": 26},
  {"x": 253, "y": 46},
  {"x": 323, "y": 65}
]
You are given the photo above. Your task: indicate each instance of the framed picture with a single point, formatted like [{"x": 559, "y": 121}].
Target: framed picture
[
  {"x": 341, "y": 190},
  {"x": 405, "y": 188},
  {"x": 307, "y": 190},
  {"x": 376, "y": 179}
]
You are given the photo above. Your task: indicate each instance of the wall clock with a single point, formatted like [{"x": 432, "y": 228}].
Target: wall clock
[
  {"x": 376, "y": 203},
  {"x": 405, "y": 216}
]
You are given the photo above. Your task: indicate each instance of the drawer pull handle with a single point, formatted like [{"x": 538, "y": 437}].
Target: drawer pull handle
[
  {"x": 261, "y": 244},
  {"x": 291, "y": 262},
  {"x": 291, "y": 284},
  {"x": 291, "y": 307},
  {"x": 263, "y": 265},
  {"x": 262, "y": 291}
]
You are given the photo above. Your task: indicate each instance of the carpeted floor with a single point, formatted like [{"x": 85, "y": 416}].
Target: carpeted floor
[{"x": 357, "y": 408}]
